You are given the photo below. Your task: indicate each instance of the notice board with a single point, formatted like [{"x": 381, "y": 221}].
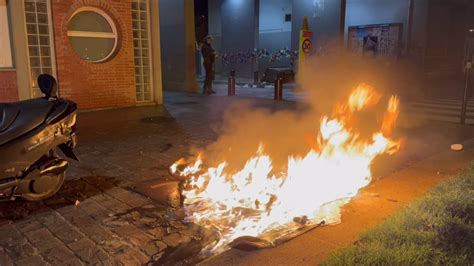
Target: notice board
[{"x": 376, "y": 40}]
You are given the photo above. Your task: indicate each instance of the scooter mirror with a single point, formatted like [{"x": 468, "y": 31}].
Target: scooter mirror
[{"x": 47, "y": 85}]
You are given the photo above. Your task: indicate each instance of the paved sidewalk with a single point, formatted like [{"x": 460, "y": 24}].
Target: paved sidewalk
[
  {"x": 424, "y": 108},
  {"x": 100, "y": 215}
]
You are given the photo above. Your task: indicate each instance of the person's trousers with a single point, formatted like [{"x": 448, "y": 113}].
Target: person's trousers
[{"x": 208, "y": 80}]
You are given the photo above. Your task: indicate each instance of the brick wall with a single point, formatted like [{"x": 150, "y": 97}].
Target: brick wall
[
  {"x": 96, "y": 85},
  {"x": 8, "y": 86}
]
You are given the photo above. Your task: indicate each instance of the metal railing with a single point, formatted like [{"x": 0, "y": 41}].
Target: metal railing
[{"x": 466, "y": 92}]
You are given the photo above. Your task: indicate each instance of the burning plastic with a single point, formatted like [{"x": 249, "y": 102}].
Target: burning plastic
[{"x": 258, "y": 202}]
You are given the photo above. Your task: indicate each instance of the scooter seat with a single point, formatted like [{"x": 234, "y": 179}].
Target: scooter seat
[
  {"x": 8, "y": 114},
  {"x": 30, "y": 114}
]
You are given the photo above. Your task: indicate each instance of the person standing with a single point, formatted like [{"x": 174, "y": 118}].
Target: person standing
[{"x": 209, "y": 55}]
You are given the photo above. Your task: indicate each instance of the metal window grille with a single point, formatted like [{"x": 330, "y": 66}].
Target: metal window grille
[
  {"x": 141, "y": 45},
  {"x": 40, "y": 51}
]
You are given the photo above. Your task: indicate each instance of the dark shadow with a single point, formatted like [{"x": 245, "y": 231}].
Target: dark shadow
[{"x": 71, "y": 191}]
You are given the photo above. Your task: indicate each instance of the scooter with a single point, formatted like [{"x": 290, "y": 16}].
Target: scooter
[{"x": 31, "y": 133}]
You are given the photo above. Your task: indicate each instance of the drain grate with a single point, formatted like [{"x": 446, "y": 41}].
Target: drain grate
[{"x": 184, "y": 103}]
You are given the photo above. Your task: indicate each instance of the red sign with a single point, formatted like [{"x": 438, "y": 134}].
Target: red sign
[{"x": 307, "y": 34}]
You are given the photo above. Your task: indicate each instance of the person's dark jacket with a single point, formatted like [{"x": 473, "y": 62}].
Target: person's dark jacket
[{"x": 208, "y": 53}]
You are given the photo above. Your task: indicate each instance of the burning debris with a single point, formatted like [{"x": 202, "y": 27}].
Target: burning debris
[{"x": 259, "y": 206}]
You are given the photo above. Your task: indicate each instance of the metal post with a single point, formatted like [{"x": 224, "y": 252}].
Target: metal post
[
  {"x": 411, "y": 7},
  {"x": 231, "y": 84},
  {"x": 342, "y": 21},
  {"x": 278, "y": 89},
  {"x": 466, "y": 91}
]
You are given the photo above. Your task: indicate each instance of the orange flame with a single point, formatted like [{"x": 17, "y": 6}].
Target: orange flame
[{"x": 255, "y": 201}]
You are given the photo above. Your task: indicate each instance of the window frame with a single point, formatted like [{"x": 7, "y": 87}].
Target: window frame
[
  {"x": 10, "y": 40},
  {"x": 34, "y": 90},
  {"x": 94, "y": 34},
  {"x": 150, "y": 55}
]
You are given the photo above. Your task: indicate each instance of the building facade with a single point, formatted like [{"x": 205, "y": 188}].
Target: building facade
[
  {"x": 104, "y": 53},
  {"x": 432, "y": 33}
]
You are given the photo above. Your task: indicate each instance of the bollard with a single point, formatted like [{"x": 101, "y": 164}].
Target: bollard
[
  {"x": 256, "y": 78},
  {"x": 278, "y": 89},
  {"x": 466, "y": 92},
  {"x": 231, "y": 84}
]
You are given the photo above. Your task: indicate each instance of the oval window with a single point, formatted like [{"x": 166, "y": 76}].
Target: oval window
[{"x": 92, "y": 34}]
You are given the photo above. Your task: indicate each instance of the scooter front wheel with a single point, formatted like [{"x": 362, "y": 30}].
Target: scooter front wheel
[{"x": 44, "y": 187}]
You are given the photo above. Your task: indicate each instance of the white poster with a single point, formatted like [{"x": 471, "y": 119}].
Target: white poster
[{"x": 5, "y": 49}]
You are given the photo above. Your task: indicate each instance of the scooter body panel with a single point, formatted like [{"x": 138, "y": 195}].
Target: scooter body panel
[
  {"x": 18, "y": 155},
  {"x": 30, "y": 133}
]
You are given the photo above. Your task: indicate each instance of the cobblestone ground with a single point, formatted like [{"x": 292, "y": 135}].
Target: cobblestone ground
[
  {"x": 101, "y": 216},
  {"x": 98, "y": 217}
]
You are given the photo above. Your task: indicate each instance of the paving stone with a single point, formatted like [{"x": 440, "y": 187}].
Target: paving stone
[
  {"x": 28, "y": 225},
  {"x": 66, "y": 211},
  {"x": 92, "y": 208},
  {"x": 132, "y": 199},
  {"x": 49, "y": 218},
  {"x": 103, "y": 182},
  {"x": 42, "y": 239},
  {"x": 109, "y": 262},
  {"x": 74, "y": 262},
  {"x": 79, "y": 218},
  {"x": 4, "y": 258},
  {"x": 157, "y": 256},
  {"x": 139, "y": 238},
  {"x": 20, "y": 249},
  {"x": 101, "y": 197},
  {"x": 116, "y": 191},
  {"x": 177, "y": 224},
  {"x": 8, "y": 234},
  {"x": 115, "y": 246},
  {"x": 88, "y": 251},
  {"x": 34, "y": 260},
  {"x": 92, "y": 255},
  {"x": 96, "y": 233},
  {"x": 132, "y": 257},
  {"x": 90, "y": 190},
  {"x": 115, "y": 206},
  {"x": 158, "y": 232},
  {"x": 59, "y": 226},
  {"x": 134, "y": 215},
  {"x": 59, "y": 255},
  {"x": 126, "y": 230},
  {"x": 174, "y": 239},
  {"x": 114, "y": 222},
  {"x": 68, "y": 234},
  {"x": 161, "y": 245},
  {"x": 150, "y": 248},
  {"x": 81, "y": 244}
]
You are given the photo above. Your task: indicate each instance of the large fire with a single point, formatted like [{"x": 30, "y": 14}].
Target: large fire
[{"x": 256, "y": 200}]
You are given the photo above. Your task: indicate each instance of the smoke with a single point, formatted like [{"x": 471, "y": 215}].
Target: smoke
[{"x": 327, "y": 79}]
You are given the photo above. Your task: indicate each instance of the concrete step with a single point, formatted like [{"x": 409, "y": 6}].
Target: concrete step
[
  {"x": 446, "y": 110},
  {"x": 442, "y": 118},
  {"x": 442, "y": 104}
]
